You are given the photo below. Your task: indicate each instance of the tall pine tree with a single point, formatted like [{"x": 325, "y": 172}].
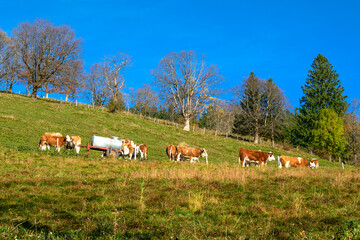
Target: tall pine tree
[{"x": 321, "y": 90}]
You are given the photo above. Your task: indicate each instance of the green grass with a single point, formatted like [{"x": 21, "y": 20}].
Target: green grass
[{"x": 51, "y": 195}]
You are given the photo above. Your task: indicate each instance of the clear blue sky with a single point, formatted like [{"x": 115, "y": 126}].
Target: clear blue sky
[{"x": 277, "y": 39}]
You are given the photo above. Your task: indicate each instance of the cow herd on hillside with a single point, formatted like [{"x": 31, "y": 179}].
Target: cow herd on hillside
[{"x": 131, "y": 150}]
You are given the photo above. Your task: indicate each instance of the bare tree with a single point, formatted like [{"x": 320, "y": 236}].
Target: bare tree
[
  {"x": 352, "y": 129},
  {"x": 71, "y": 79},
  {"x": 106, "y": 80},
  {"x": 98, "y": 91},
  {"x": 146, "y": 100},
  {"x": 9, "y": 62},
  {"x": 45, "y": 51},
  {"x": 4, "y": 45},
  {"x": 186, "y": 82},
  {"x": 113, "y": 71}
]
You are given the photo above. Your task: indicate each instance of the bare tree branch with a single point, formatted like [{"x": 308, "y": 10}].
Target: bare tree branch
[{"x": 186, "y": 82}]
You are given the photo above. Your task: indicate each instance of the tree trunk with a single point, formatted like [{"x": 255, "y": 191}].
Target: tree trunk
[
  {"x": 187, "y": 123},
  {"x": 11, "y": 87},
  {"x": 34, "y": 93},
  {"x": 330, "y": 160},
  {"x": 28, "y": 89},
  {"x": 256, "y": 137},
  {"x": 66, "y": 98}
]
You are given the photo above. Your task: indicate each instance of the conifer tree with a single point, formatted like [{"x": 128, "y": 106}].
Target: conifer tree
[{"x": 321, "y": 90}]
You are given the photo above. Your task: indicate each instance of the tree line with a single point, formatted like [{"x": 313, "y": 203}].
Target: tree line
[{"x": 48, "y": 58}]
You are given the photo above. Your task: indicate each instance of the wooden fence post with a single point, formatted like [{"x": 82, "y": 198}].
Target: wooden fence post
[
  {"x": 215, "y": 132},
  {"x": 204, "y": 131}
]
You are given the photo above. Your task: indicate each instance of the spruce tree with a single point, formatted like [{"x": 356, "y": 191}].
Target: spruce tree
[{"x": 321, "y": 90}]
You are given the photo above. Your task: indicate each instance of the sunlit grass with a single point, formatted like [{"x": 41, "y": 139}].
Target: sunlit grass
[{"x": 50, "y": 195}]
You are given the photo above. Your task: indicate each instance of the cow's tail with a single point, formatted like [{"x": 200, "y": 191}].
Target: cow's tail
[{"x": 279, "y": 162}]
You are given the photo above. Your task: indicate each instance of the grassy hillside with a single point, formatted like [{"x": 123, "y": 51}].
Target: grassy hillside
[
  {"x": 52, "y": 195},
  {"x": 23, "y": 120}
]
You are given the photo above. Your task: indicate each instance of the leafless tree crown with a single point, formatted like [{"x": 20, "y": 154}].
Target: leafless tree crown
[
  {"x": 45, "y": 51},
  {"x": 186, "y": 82}
]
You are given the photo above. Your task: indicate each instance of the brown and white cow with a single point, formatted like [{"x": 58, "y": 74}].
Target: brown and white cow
[
  {"x": 297, "y": 162},
  {"x": 53, "y": 139},
  {"x": 75, "y": 142},
  {"x": 171, "y": 152},
  {"x": 248, "y": 157},
  {"x": 142, "y": 150},
  {"x": 193, "y": 154},
  {"x": 128, "y": 148}
]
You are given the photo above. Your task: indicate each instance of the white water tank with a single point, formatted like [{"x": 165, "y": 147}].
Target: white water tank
[{"x": 104, "y": 142}]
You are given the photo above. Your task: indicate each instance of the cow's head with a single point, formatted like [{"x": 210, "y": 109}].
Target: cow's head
[
  {"x": 69, "y": 143},
  {"x": 314, "y": 163},
  {"x": 271, "y": 157},
  {"x": 203, "y": 153},
  {"x": 125, "y": 150}
]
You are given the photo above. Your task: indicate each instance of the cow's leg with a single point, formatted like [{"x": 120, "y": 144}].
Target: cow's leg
[
  {"x": 77, "y": 149},
  {"x": 244, "y": 161},
  {"x": 178, "y": 157},
  {"x": 43, "y": 146},
  {"x": 279, "y": 163}
]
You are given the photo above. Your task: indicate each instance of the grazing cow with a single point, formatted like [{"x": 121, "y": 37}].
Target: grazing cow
[
  {"x": 43, "y": 147},
  {"x": 128, "y": 148},
  {"x": 171, "y": 152},
  {"x": 193, "y": 154},
  {"x": 51, "y": 139},
  {"x": 297, "y": 162},
  {"x": 142, "y": 150},
  {"x": 248, "y": 157},
  {"x": 75, "y": 142}
]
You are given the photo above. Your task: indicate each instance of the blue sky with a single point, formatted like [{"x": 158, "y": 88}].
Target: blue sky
[{"x": 277, "y": 39}]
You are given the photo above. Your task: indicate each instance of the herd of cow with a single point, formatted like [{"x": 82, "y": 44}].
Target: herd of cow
[
  {"x": 57, "y": 140},
  {"x": 246, "y": 157},
  {"x": 179, "y": 153},
  {"x": 250, "y": 157}
]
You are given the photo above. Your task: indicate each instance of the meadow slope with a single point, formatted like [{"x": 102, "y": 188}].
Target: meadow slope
[{"x": 64, "y": 196}]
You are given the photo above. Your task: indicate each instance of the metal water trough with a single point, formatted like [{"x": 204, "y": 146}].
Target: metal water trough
[{"x": 109, "y": 146}]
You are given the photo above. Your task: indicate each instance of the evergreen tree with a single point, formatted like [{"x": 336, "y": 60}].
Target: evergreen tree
[
  {"x": 261, "y": 105},
  {"x": 250, "y": 98},
  {"x": 321, "y": 90},
  {"x": 328, "y": 135}
]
